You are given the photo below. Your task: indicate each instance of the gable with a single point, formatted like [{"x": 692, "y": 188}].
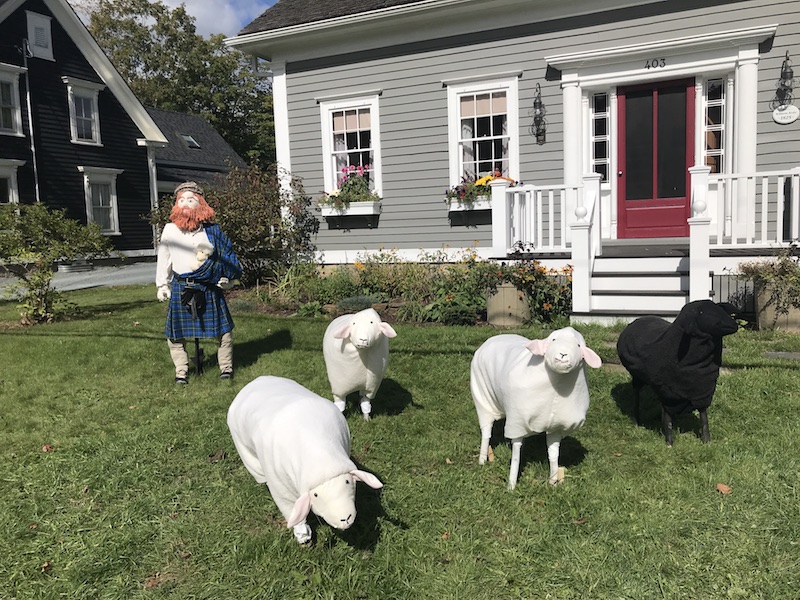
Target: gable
[{"x": 102, "y": 67}]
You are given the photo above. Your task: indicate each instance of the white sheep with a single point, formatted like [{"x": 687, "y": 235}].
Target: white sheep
[
  {"x": 537, "y": 385},
  {"x": 356, "y": 351},
  {"x": 299, "y": 444}
]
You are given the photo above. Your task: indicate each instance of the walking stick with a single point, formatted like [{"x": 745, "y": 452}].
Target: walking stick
[{"x": 198, "y": 352}]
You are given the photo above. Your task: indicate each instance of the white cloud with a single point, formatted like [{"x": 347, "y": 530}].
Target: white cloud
[{"x": 222, "y": 16}]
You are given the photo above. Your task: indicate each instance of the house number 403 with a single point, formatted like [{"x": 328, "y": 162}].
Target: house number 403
[{"x": 655, "y": 63}]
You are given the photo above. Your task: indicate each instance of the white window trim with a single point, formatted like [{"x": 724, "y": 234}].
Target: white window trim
[
  {"x": 10, "y": 74},
  {"x": 38, "y": 20},
  {"x": 471, "y": 85},
  {"x": 8, "y": 170},
  {"x": 80, "y": 87},
  {"x": 101, "y": 175},
  {"x": 325, "y": 109}
]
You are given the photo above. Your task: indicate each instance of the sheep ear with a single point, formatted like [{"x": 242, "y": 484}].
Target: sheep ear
[
  {"x": 367, "y": 478},
  {"x": 591, "y": 358},
  {"x": 300, "y": 511},
  {"x": 342, "y": 333},
  {"x": 387, "y": 330},
  {"x": 537, "y": 347}
]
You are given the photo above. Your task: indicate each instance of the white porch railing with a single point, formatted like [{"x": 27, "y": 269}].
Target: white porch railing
[{"x": 538, "y": 217}]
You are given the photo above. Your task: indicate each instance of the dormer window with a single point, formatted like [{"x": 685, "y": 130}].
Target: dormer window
[
  {"x": 40, "y": 36},
  {"x": 190, "y": 142},
  {"x": 84, "y": 118}
]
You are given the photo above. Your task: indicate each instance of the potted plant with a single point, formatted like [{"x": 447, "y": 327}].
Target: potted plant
[
  {"x": 354, "y": 196},
  {"x": 472, "y": 194},
  {"x": 776, "y": 286}
]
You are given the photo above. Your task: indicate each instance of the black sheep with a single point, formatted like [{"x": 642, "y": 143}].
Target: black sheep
[{"x": 679, "y": 360}]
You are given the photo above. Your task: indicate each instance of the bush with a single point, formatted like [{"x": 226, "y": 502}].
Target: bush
[
  {"x": 548, "y": 291},
  {"x": 32, "y": 239}
]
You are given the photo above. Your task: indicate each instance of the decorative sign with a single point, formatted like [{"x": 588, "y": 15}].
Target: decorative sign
[{"x": 784, "y": 115}]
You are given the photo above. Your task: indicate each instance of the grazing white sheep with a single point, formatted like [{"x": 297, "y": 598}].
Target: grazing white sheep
[
  {"x": 356, "y": 351},
  {"x": 299, "y": 444},
  {"x": 537, "y": 385}
]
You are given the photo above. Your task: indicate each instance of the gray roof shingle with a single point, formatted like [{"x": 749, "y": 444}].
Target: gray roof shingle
[
  {"x": 214, "y": 154},
  {"x": 287, "y": 13}
]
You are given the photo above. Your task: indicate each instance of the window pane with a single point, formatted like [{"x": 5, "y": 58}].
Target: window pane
[
  {"x": 713, "y": 140},
  {"x": 352, "y": 140},
  {"x": 351, "y": 119},
  {"x": 338, "y": 122},
  {"x": 715, "y": 89},
  {"x": 498, "y": 102},
  {"x": 601, "y": 149},
  {"x": 364, "y": 119},
  {"x": 639, "y": 145},
  {"x": 6, "y": 118},
  {"x": 364, "y": 138},
  {"x": 600, "y": 127},
  {"x": 5, "y": 94},
  {"x": 467, "y": 106},
  {"x": 483, "y": 105},
  {"x": 484, "y": 127},
  {"x": 671, "y": 142},
  {"x": 602, "y": 168},
  {"x": 600, "y": 103}
]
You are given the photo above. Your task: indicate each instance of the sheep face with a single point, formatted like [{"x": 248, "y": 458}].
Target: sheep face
[
  {"x": 334, "y": 500},
  {"x": 714, "y": 320},
  {"x": 364, "y": 328},
  {"x": 564, "y": 351}
]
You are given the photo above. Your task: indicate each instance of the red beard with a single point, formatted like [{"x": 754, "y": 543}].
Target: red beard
[{"x": 190, "y": 219}]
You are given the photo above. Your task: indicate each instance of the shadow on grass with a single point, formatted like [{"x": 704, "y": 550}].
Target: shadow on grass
[
  {"x": 391, "y": 399},
  {"x": 534, "y": 448},
  {"x": 248, "y": 353},
  {"x": 650, "y": 409}
]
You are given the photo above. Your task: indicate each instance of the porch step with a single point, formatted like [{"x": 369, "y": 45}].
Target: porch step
[{"x": 629, "y": 287}]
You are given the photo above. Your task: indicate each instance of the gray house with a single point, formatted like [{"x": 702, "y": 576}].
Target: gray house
[{"x": 657, "y": 141}]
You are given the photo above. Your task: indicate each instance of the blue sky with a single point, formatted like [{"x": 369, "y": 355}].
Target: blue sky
[{"x": 222, "y": 16}]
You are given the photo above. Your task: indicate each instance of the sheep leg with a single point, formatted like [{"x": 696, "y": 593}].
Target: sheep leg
[
  {"x": 513, "y": 474},
  {"x": 486, "y": 434},
  {"x": 553, "y": 446},
  {"x": 302, "y": 532},
  {"x": 339, "y": 402},
  {"x": 366, "y": 407},
  {"x": 705, "y": 436},
  {"x": 666, "y": 425}
]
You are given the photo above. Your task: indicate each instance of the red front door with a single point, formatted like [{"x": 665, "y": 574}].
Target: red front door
[{"x": 656, "y": 149}]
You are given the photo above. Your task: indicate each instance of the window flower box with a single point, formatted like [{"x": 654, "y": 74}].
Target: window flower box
[
  {"x": 351, "y": 209},
  {"x": 479, "y": 203}
]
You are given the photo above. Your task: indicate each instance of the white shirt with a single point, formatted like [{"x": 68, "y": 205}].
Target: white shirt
[{"x": 177, "y": 251}]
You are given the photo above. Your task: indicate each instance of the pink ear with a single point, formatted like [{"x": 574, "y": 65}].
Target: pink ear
[
  {"x": 387, "y": 330},
  {"x": 300, "y": 510},
  {"x": 343, "y": 332},
  {"x": 591, "y": 358},
  {"x": 537, "y": 347},
  {"x": 367, "y": 478}
]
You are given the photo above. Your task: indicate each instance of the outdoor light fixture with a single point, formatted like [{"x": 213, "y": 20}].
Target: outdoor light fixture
[
  {"x": 539, "y": 126},
  {"x": 783, "y": 95}
]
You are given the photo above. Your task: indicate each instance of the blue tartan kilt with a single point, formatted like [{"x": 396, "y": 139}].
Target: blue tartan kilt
[{"x": 214, "y": 321}]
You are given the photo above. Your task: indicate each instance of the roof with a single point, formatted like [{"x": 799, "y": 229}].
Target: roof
[
  {"x": 181, "y": 159},
  {"x": 287, "y": 13}
]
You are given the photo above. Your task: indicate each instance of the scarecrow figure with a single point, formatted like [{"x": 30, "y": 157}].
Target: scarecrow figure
[{"x": 196, "y": 263}]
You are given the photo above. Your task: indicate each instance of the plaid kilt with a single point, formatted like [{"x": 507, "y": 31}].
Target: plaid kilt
[{"x": 214, "y": 321}]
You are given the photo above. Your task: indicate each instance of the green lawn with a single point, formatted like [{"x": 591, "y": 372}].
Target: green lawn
[{"x": 118, "y": 484}]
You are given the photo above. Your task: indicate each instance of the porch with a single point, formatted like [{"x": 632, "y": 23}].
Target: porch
[{"x": 733, "y": 218}]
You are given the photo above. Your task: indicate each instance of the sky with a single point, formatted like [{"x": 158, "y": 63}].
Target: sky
[{"x": 222, "y": 16}]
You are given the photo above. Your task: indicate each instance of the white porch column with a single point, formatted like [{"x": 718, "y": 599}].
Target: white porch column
[
  {"x": 573, "y": 148},
  {"x": 280, "y": 109},
  {"x": 699, "y": 230},
  {"x": 745, "y": 127},
  {"x": 501, "y": 241}
]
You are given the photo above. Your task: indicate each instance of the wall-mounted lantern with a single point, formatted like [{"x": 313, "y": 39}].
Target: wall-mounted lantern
[
  {"x": 539, "y": 126},
  {"x": 783, "y": 95}
]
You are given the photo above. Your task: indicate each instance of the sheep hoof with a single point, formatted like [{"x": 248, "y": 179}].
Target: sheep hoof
[{"x": 366, "y": 416}]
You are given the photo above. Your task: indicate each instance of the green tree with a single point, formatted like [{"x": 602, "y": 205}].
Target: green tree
[
  {"x": 169, "y": 66},
  {"x": 32, "y": 239}
]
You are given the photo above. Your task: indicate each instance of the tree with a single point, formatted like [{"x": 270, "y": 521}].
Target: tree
[
  {"x": 169, "y": 66},
  {"x": 32, "y": 239}
]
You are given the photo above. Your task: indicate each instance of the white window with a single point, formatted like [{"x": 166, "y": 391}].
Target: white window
[
  {"x": 10, "y": 112},
  {"x": 601, "y": 135},
  {"x": 9, "y": 192},
  {"x": 483, "y": 129},
  {"x": 40, "y": 37},
  {"x": 84, "y": 117},
  {"x": 100, "y": 190},
  {"x": 351, "y": 138},
  {"x": 714, "y": 122}
]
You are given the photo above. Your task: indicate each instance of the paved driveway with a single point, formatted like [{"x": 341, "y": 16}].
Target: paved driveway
[{"x": 127, "y": 274}]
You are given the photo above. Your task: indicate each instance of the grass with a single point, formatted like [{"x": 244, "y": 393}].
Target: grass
[{"x": 118, "y": 484}]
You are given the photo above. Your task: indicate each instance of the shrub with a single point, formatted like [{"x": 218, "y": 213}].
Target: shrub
[
  {"x": 777, "y": 277},
  {"x": 548, "y": 291},
  {"x": 32, "y": 239}
]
